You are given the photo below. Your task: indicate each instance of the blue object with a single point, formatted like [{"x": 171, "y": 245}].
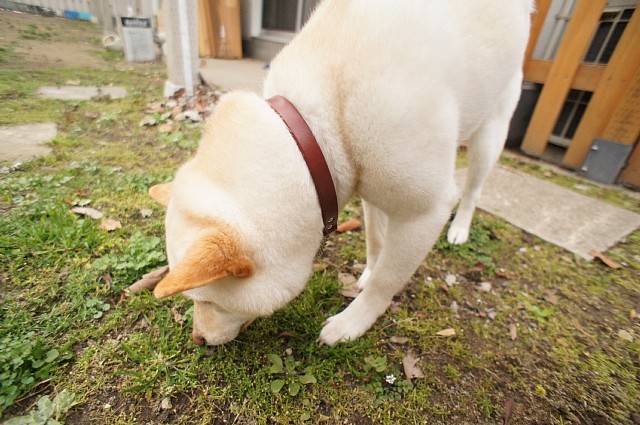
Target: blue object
[{"x": 71, "y": 14}]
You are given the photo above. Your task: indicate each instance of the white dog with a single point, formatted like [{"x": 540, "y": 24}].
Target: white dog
[{"x": 389, "y": 89}]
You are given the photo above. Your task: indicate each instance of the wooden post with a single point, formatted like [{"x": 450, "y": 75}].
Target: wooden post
[
  {"x": 624, "y": 125},
  {"x": 625, "y": 128},
  {"x": 615, "y": 85},
  {"x": 207, "y": 26},
  {"x": 574, "y": 44},
  {"x": 230, "y": 41},
  {"x": 631, "y": 173},
  {"x": 537, "y": 21}
]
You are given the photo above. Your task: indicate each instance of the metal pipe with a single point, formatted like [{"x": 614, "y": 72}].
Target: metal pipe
[
  {"x": 185, "y": 41},
  {"x": 561, "y": 19}
]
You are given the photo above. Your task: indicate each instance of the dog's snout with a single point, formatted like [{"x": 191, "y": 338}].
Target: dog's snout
[{"x": 197, "y": 339}]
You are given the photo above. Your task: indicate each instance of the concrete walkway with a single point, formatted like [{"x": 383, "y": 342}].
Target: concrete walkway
[
  {"x": 568, "y": 219},
  {"x": 245, "y": 74},
  {"x": 565, "y": 218},
  {"x": 81, "y": 92},
  {"x": 26, "y": 142}
]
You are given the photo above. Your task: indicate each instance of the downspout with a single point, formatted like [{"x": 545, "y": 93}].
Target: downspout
[
  {"x": 563, "y": 16},
  {"x": 185, "y": 42}
]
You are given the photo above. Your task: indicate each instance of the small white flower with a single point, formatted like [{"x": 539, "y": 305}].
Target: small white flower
[{"x": 390, "y": 379}]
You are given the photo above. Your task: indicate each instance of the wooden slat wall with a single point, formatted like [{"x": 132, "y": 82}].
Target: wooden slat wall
[
  {"x": 587, "y": 76},
  {"x": 617, "y": 79},
  {"x": 631, "y": 174},
  {"x": 561, "y": 74}
]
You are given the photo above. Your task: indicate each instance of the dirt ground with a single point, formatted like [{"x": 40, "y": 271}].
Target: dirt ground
[{"x": 49, "y": 41}]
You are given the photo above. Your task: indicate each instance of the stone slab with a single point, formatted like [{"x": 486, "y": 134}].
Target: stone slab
[
  {"x": 81, "y": 92},
  {"x": 244, "y": 74},
  {"x": 26, "y": 142},
  {"x": 565, "y": 218}
]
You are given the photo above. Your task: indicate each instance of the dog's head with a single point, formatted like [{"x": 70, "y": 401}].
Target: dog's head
[
  {"x": 229, "y": 248},
  {"x": 204, "y": 251}
]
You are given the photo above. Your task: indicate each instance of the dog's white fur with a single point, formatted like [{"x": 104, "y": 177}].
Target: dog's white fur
[{"x": 389, "y": 89}]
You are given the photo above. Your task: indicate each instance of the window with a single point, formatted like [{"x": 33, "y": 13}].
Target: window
[
  {"x": 570, "y": 116},
  {"x": 283, "y": 18},
  {"x": 610, "y": 29}
]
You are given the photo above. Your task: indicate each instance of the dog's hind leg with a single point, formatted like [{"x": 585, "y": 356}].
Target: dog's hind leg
[
  {"x": 406, "y": 242},
  {"x": 375, "y": 222},
  {"x": 484, "y": 150}
]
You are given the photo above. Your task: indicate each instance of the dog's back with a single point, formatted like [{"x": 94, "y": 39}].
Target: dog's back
[
  {"x": 406, "y": 53},
  {"x": 401, "y": 83}
]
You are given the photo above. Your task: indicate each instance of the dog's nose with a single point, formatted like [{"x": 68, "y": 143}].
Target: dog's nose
[{"x": 197, "y": 339}]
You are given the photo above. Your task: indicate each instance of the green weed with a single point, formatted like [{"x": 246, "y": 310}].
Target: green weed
[
  {"x": 289, "y": 373},
  {"x": 26, "y": 360},
  {"x": 47, "y": 412},
  {"x": 384, "y": 381}
]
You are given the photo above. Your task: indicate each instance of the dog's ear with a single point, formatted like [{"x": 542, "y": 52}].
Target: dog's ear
[
  {"x": 213, "y": 256},
  {"x": 161, "y": 193}
]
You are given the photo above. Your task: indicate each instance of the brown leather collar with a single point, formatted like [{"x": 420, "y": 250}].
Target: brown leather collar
[{"x": 312, "y": 155}]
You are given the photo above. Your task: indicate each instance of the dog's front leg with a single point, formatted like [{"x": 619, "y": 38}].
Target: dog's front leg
[
  {"x": 375, "y": 222},
  {"x": 405, "y": 244}
]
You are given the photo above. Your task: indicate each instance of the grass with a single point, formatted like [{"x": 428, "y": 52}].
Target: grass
[
  {"x": 127, "y": 360},
  {"x": 33, "y": 32}
]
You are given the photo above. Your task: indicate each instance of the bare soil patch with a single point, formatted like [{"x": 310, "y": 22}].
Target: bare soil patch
[{"x": 49, "y": 42}]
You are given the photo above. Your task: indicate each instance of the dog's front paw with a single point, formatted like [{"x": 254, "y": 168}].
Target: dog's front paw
[
  {"x": 341, "y": 328},
  {"x": 457, "y": 235}
]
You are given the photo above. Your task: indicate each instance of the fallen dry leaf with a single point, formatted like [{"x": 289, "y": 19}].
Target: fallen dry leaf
[
  {"x": 606, "y": 260},
  {"x": 632, "y": 315},
  {"x": 348, "y": 282},
  {"x": 147, "y": 121},
  {"x": 346, "y": 279},
  {"x": 411, "y": 371},
  {"x": 484, "y": 287},
  {"x": 551, "y": 298},
  {"x": 165, "y": 404},
  {"x": 318, "y": 267},
  {"x": 358, "y": 267},
  {"x": 508, "y": 411},
  {"x": 165, "y": 128},
  {"x": 450, "y": 279},
  {"x": 513, "y": 331},
  {"x": 106, "y": 279},
  {"x": 91, "y": 212},
  {"x": 399, "y": 340},
  {"x": 625, "y": 335},
  {"x": 148, "y": 281},
  {"x": 395, "y": 307},
  {"x": 110, "y": 225},
  {"x": 146, "y": 212},
  {"x": 155, "y": 106},
  {"x": 351, "y": 224},
  {"x": 446, "y": 332},
  {"x": 176, "y": 111},
  {"x": 177, "y": 316},
  {"x": 505, "y": 274}
]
